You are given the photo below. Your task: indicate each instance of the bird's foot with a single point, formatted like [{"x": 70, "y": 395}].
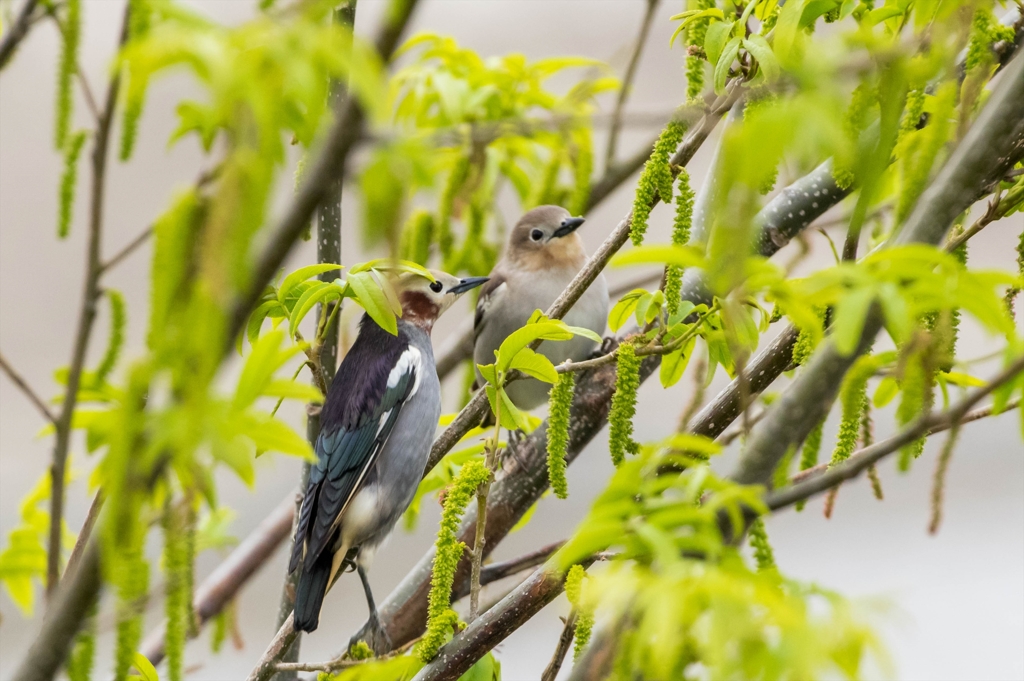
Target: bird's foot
[
  {"x": 515, "y": 437},
  {"x": 374, "y": 636},
  {"x": 607, "y": 345}
]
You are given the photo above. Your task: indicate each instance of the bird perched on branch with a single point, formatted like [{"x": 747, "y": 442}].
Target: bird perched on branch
[
  {"x": 376, "y": 428},
  {"x": 543, "y": 255}
]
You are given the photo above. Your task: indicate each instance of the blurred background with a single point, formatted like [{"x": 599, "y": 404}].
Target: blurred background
[{"x": 949, "y": 606}]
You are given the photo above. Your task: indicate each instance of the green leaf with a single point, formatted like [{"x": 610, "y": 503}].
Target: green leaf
[
  {"x": 145, "y": 668},
  {"x": 963, "y": 380},
  {"x": 320, "y": 292},
  {"x": 715, "y": 38},
  {"x": 302, "y": 274},
  {"x": 788, "y": 36},
  {"x": 724, "y": 63},
  {"x": 850, "y": 314},
  {"x": 270, "y": 434},
  {"x": 623, "y": 310},
  {"x": 681, "y": 256},
  {"x": 517, "y": 340},
  {"x": 898, "y": 321},
  {"x": 885, "y": 392},
  {"x": 372, "y": 299},
  {"x": 260, "y": 366},
  {"x": 487, "y": 668},
  {"x": 674, "y": 364},
  {"x": 534, "y": 364},
  {"x": 692, "y": 16},
  {"x": 260, "y": 315},
  {"x": 489, "y": 372},
  {"x": 295, "y": 390},
  {"x": 759, "y": 48}
]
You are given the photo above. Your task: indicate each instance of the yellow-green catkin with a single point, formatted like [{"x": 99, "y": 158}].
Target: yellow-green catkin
[
  {"x": 960, "y": 253},
  {"x": 456, "y": 178},
  {"x": 1011, "y": 293},
  {"x": 985, "y": 32},
  {"x": 915, "y": 400},
  {"x": 781, "y": 476},
  {"x": 763, "y": 100},
  {"x": 584, "y": 616},
  {"x": 583, "y": 167},
  {"x": 917, "y": 159},
  {"x": 695, "y": 62},
  {"x": 176, "y": 604},
  {"x": 80, "y": 660},
  {"x": 416, "y": 237},
  {"x": 763, "y": 554},
  {"x": 68, "y": 179},
  {"x": 680, "y": 237},
  {"x": 71, "y": 31},
  {"x": 138, "y": 26},
  {"x": 854, "y": 398},
  {"x": 220, "y": 630},
  {"x": 558, "y": 432},
  {"x": 623, "y": 408},
  {"x": 862, "y": 99},
  {"x": 360, "y": 651},
  {"x": 132, "y": 575},
  {"x": 656, "y": 179},
  {"x": 867, "y": 438},
  {"x": 118, "y": 321},
  {"x": 809, "y": 452},
  {"x": 441, "y": 619}
]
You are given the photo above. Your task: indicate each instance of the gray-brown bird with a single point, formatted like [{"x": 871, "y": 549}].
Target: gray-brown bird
[{"x": 543, "y": 254}]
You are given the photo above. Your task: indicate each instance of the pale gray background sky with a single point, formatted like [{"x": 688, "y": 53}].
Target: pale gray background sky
[{"x": 955, "y": 601}]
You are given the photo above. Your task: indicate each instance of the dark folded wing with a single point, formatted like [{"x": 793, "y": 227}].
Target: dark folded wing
[{"x": 344, "y": 455}]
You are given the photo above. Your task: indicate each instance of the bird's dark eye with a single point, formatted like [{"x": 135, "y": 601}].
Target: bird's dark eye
[
  {"x": 436, "y": 286},
  {"x": 536, "y": 235}
]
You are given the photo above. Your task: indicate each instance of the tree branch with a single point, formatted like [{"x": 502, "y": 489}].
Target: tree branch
[
  {"x": 627, "y": 82},
  {"x": 130, "y": 248},
  {"x": 26, "y": 389},
  {"x": 224, "y": 583},
  {"x": 862, "y": 459},
  {"x": 68, "y": 607},
  {"x": 83, "y": 537},
  {"x": 980, "y": 159},
  {"x": 17, "y": 32},
  {"x": 328, "y": 165},
  {"x": 493, "y": 626},
  {"x": 87, "y": 315},
  {"x": 564, "y": 641}
]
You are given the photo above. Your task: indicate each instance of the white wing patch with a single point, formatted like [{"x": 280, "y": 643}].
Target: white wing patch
[{"x": 410, "y": 360}]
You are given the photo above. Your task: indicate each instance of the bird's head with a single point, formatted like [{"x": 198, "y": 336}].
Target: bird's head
[
  {"x": 423, "y": 300},
  {"x": 546, "y": 238}
]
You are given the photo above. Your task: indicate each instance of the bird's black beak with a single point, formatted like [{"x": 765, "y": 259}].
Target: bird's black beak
[
  {"x": 467, "y": 284},
  {"x": 569, "y": 225}
]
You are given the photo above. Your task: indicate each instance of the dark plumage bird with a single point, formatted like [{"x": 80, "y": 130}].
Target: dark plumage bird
[{"x": 377, "y": 425}]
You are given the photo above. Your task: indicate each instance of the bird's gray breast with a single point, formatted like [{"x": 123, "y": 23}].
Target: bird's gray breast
[
  {"x": 392, "y": 482},
  {"x": 526, "y": 292}
]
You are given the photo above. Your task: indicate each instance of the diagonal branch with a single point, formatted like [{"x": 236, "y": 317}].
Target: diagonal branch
[
  {"x": 26, "y": 389},
  {"x": 17, "y": 32},
  {"x": 985, "y": 153},
  {"x": 868, "y": 456}
]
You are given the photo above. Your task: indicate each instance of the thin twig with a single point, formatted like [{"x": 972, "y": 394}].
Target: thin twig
[
  {"x": 83, "y": 537},
  {"x": 495, "y": 571},
  {"x": 935, "y": 429},
  {"x": 17, "y": 32},
  {"x": 860, "y": 460},
  {"x": 87, "y": 315},
  {"x": 627, "y": 82},
  {"x": 564, "y": 641},
  {"x": 23, "y": 385},
  {"x": 130, "y": 248}
]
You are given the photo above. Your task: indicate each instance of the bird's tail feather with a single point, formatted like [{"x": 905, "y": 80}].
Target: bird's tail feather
[{"x": 310, "y": 592}]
